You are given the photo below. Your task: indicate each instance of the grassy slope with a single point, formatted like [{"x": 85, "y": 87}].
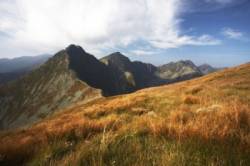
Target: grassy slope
[{"x": 205, "y": 121}]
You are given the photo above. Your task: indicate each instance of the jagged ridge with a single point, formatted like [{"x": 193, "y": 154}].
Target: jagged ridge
[{"x": 74, "y": 75}]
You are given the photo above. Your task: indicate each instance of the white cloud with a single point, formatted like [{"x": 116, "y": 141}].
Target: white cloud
[
  {"x": 204, "y": 40},
  {"x": 37, "y": 26},
  {"x": 143, "y": 52},
  {"x": 178, "y": 41},
  {"x": 232, "y": 34}
]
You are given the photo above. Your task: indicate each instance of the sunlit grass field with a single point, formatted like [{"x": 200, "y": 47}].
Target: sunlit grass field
[{"x": 205, "y": 121}]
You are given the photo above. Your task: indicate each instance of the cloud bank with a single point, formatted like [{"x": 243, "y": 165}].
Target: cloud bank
[{"x": 34, "y": 26}]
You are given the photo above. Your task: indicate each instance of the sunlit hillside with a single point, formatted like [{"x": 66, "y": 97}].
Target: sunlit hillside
[{"x": 205, "y": 121}]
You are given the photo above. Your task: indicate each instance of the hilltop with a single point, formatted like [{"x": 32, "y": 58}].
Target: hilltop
[{"x": 205, "y": 121}]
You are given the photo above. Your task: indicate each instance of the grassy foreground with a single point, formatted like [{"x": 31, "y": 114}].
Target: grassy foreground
[{"x": 205, "y": 121}]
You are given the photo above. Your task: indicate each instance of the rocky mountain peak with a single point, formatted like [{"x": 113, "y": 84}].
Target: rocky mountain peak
[
  {"x": 51, "y": 87},
  {"x": 186, "y": 63},
  {"x": 73, "y": 47},
  {"x": 115, "y": 58},
  {"x": 181, "y": 70}
]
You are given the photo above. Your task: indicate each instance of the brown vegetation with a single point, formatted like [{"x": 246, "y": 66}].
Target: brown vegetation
[{"x": 215, "y": 108}]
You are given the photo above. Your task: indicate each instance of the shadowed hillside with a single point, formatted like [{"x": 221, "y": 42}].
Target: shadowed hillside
[
  {"x": 137, "y": 74},
  {"x": 205, "y": 121}
]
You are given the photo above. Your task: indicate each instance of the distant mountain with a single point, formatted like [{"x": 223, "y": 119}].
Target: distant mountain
[
  {"x": 73, "y": 75},
  {"x": 11, "y": 69},
  {"x": 22, "y": 63},
  {"x": 177, "y": 71},
  {"x": 206, "y": 69}
]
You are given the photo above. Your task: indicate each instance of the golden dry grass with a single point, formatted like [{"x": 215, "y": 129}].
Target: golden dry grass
[{"x": 215, "y": 107}]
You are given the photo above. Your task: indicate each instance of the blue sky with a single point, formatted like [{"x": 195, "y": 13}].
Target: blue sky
[
  {"x": 155, "y": 31},
  {"x": 230, "y": 52}
]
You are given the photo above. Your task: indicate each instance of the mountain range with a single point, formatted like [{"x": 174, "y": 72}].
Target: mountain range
[
  {"x": 203, "y": 121},
  {"x": 11, "y": 69},
  {"x": 72, "y": 75},
  {"x": 22, "y": 63}
]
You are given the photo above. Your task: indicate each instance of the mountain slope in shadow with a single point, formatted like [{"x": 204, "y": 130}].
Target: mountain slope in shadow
[{"x": 73, "y": 75}]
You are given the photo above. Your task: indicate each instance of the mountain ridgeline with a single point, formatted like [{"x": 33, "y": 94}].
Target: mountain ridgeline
[
  {"x": 73, "y": 75},
  {"x": 12, "y": 69}
]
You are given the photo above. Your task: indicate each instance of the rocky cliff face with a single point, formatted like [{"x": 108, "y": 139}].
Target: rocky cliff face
[
  {"x": 131, "y": 75},
  {"x": 49, "y": 88}
]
